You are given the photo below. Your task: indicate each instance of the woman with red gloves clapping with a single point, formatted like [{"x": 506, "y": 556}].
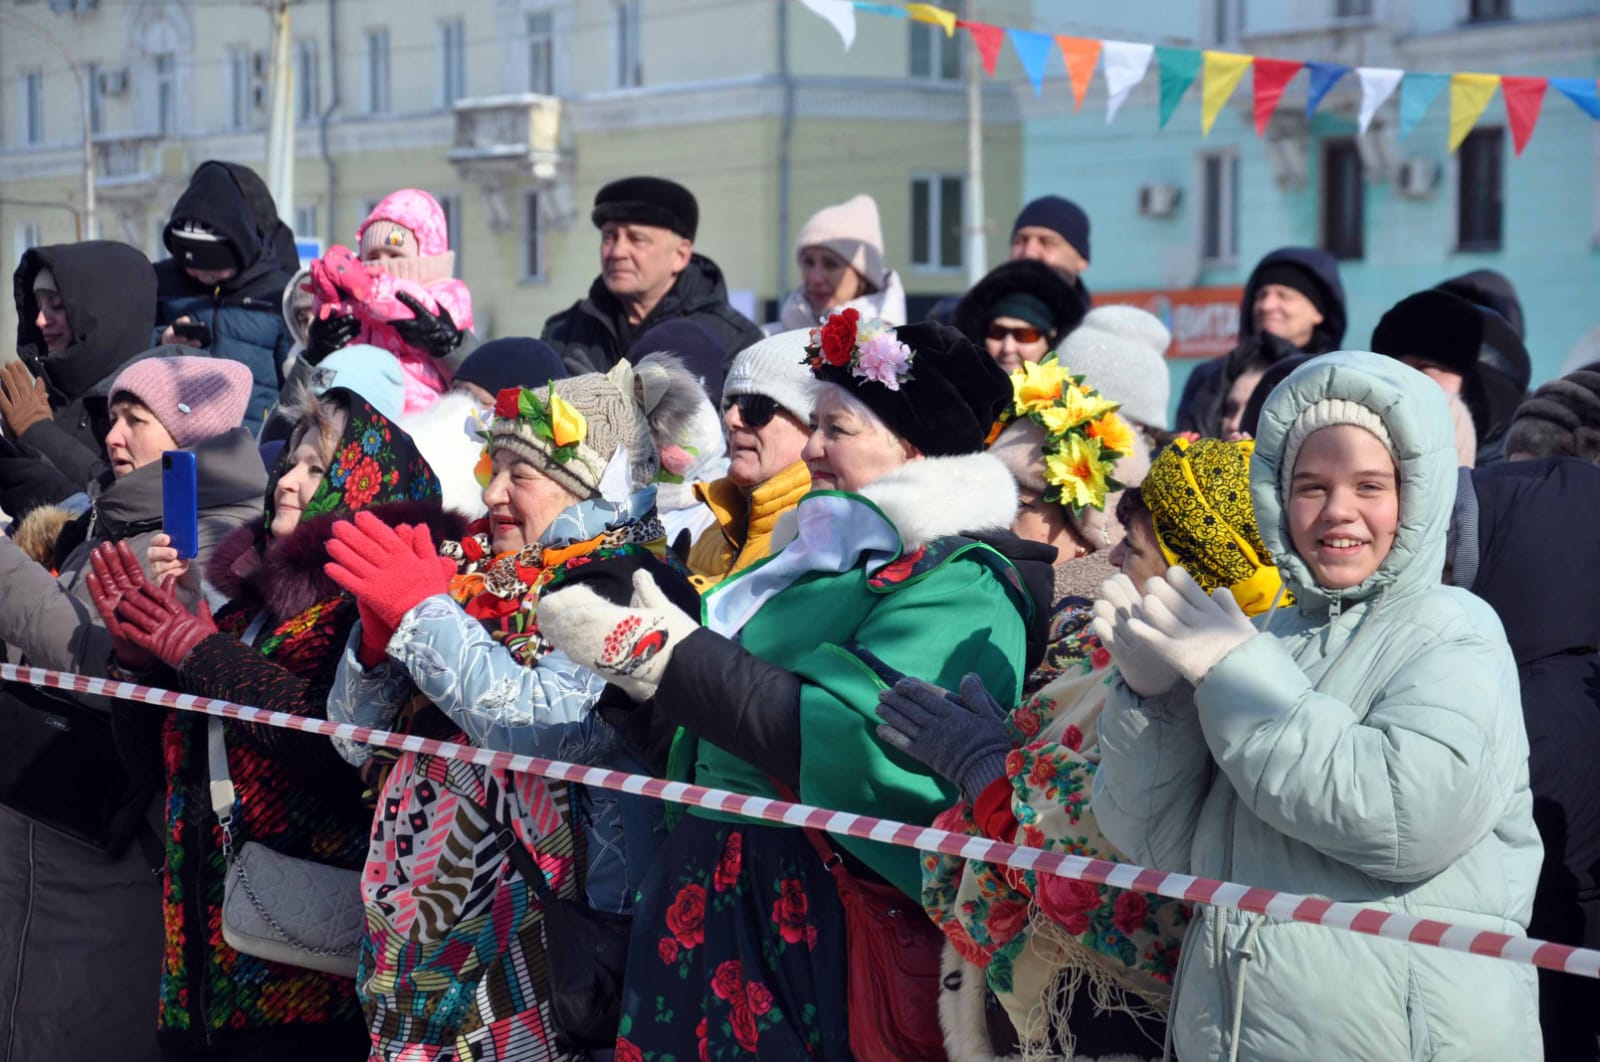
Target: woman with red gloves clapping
[{"x": 275, "y": 645}]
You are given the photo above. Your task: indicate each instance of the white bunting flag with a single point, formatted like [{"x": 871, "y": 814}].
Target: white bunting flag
[
  {"x": 841, "y": 14},
  {"x": 1377, "y": 84},
  {"x": 1125, "y": 66}
]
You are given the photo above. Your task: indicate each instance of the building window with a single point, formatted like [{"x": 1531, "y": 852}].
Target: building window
[
  {"x": 241, "y": 87},
  {"x": 1222, "y": 21},
  {"x": 166, "y": 93},
  {"x": 1352, "y": 8},
  {"x": 376, "y": 87},
  {"x": 452, "y": 61},
  {"x": 542, "y": 53},
  {"x": 97, "y": 105},
  {"x": 1481, "y": 192},
  {"x": 307, "y": 90},
  {"x": 1343, "y": 200},
  {"x": 629, "y": 71},
  {"x": 23, "y": 237},
  {"x": 1219, "y": 209},
  {"x": 1488, "y": 10},
  {"x": 451, "y": 205},
  {"x": 305, "y": 221},
  {"x": 935, "y": 55},
  {"x": 31, "y": 97},
  {"x": 532, "y": 238},
  {"x": 938, "y": 223}
]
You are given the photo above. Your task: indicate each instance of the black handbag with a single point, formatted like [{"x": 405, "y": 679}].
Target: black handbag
[{"x": 586, "y": 955}]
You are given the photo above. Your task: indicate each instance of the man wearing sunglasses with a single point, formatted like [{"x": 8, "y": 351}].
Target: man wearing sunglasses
[{"x": 767, "y": 401}]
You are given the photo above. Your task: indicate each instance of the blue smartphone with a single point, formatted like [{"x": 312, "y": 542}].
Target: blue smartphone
[{"x": 180, "y": 511}]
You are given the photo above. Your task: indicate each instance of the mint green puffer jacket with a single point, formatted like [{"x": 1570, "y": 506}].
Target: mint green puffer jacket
[{"x": 1367, "y": 747}]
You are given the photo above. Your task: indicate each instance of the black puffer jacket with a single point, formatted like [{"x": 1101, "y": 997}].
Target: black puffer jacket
[
  {"x": 1525, "y": 539},
  {"x": 1200, "y": 409},
  {"x": 594, "y": 334},
  {"x": 110, "y": 294}
]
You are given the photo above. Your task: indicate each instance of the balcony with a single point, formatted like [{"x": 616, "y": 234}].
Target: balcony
[
  {"x": 509, "y": 143},
  {"x": 128, "y": 165}
]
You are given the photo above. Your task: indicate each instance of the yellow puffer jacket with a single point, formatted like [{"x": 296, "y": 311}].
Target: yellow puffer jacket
[{"x": 742, "y": 533}]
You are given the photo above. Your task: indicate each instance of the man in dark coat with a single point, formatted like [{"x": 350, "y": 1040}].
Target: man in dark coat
[
  {"x": 649, "y": 273},
  {"x": 1296, "y": 294},
  {"x": 98, "y": 301},
  {"x": 224, "y": 274},
  {"x": 1524, "y": 538}
]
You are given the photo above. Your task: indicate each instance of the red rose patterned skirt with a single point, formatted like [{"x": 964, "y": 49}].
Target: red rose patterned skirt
[{"x": 738, "y": 951}]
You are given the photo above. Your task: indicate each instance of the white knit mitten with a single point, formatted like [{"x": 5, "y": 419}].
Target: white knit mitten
[
  {"x": 1189, "y": 629},
  {"x": 1145, "y": 672},
  {"x": 627, "y": 645}
]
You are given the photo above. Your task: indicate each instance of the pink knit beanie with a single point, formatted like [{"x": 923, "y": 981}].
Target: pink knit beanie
[
  {"x": 852, "y": 231},
  {"x": 194, "y": 398}
]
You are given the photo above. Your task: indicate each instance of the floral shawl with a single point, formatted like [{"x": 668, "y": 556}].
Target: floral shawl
[{"x": 1037, "y": 939}]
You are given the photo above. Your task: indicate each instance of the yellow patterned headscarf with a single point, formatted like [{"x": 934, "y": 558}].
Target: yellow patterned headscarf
[{"x": 1198, "y": 494}]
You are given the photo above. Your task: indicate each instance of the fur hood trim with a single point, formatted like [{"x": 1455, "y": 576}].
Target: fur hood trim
[
  {"x": 287, "y": 577},
  {"x": 940, "y": 496}
]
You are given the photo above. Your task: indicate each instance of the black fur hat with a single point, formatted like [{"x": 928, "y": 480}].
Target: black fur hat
[{"x": 648, "y": 201}]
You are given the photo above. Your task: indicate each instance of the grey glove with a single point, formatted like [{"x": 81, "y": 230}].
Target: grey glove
[{"x": 961, "y": 736}]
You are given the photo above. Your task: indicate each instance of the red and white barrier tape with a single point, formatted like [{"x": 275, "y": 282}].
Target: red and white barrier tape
[{"x": 1352, "y": 917}]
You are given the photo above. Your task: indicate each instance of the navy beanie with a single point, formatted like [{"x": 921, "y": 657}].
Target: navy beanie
[
  {"x": 694, "y": 344},
  {"x": 516, "y": 361},
  {"x": 1058, "y": 215}
]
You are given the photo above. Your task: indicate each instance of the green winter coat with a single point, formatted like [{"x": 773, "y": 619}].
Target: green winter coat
[{"x": 1366, "y": 747}]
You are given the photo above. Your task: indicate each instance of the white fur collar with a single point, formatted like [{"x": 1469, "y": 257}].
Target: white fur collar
[{"x": 940, "y": 496}]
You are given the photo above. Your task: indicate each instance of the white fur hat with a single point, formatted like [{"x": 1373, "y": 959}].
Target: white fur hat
[
  {"x": 775, "y": 367},
  {"x": 852, "y": 231},
  {"x": 1122, "y": 350}
]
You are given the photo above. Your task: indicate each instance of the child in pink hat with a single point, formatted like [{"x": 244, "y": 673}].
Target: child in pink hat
[{"x": 401, "y": 290}]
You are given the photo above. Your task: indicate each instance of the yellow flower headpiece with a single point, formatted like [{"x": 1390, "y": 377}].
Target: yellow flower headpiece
[{"x": 1084, "y": 435}]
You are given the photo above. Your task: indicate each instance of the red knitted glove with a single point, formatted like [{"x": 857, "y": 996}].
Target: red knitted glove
[
  {"x": 154, "y": 621},
  {"x": 113, "y": 575},
  {"x": 386, "y": 574}
]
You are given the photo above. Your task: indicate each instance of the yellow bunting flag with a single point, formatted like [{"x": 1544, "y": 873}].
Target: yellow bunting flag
[
  {"x": 937, "y": 15},
  {"x": 1220, "y": 74},
  {"x": 1469, "y": 95}
]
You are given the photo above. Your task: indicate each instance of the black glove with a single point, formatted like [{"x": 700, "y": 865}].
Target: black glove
[
  {"x": 328, "y": 334},
  {"x": 962, "y": 736},
  {"x": 432, "y": 332}
]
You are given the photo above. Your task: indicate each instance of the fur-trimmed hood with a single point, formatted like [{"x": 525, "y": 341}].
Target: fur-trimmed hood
[
  {"x": 939, "y": 496},
  {"x": 287, "y": 576}
]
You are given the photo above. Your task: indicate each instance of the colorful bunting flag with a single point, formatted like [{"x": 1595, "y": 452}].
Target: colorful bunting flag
[
  {"x": 840, "y": 14},
  {"x": 988, "y": 40},
  {"x": 1081, "y": 55},
  {"x": 1034, "y": 49},
  {"x": 1179, "y": 67},
  {"x": 1524, "y": 98},
  {"x": 1377, "y": 85},
  {"x": 1323, "y": 77},
  {"x": 1583, "y": 91},
  {"x": 1271, "y": 77},
  {"x": 890, "y": 10},
  {"x": 1469, "y": 95},
  {"x": 1417, "y": 93},
  {"x": 945, "y": 20},
  {"x": 1222, "y": 71},
  {"x": 1126, "y": 65}
]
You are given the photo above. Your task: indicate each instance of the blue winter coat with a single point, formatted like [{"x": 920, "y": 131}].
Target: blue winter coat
[{"x": 1367, "y": 747}]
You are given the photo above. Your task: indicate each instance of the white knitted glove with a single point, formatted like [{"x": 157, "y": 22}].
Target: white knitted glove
[
  {"x": 1188, "y": 628},
  {"x": 628, "y": 646},
  {"x": 1145, "y": 672}
]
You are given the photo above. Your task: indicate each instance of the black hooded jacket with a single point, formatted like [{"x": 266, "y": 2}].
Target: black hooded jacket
[
  {"x": 109, "y": 290},
  {"x": 1525, "y": 539},
  {"x": 1200, "y": 408},
  {"x": 593, "y": 334},
  {"x": 244, "y": 312}
]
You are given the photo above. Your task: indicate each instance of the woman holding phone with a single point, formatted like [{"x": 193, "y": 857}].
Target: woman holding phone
[{"x": 274, "y": 644}]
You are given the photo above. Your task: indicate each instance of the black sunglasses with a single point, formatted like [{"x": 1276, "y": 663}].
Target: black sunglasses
[
  {"x": 756, "y": 411},
  {"x": 1021, "y": 333}
]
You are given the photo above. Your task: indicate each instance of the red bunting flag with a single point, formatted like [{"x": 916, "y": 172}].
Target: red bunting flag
[
  {"x": 1524, "y": 98},
  {"x": 1272, "y": 76},
  {"x": 988, "y": 39}
]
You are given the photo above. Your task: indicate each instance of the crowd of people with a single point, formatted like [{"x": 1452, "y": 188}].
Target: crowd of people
[{"x": 1328, "y": 631}]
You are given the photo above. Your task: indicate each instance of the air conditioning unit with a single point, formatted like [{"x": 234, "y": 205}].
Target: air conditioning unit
[
  {"x": 1158, "y": 200},
  {"x": 1417, "y": 178},
  {"x": 114, "y": 82}
]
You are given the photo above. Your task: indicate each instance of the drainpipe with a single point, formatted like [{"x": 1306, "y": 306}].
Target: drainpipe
[
  {"x": 785, "y": 135},
  {"x": 326, "y": 120}
]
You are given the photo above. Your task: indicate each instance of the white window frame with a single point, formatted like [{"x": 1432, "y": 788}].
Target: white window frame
[
  {"x": 935, "y": 182},
  {"x": 240, "y": 80},
  {"x": 627, "y": 67},
  {"x": 450, "y": 60},
  {"x": 97, "y": 100},
  {"x": 165, "y": 68},
  {"x": 1354, "y": 10},
  {"x": 940, "y": 47},
  {"x": 305, "y": 221},
  {"x": 24, "y": 236},
  {"x": 450, "y": 203},
  {"x": 30, "y": 108},
  {"x": 1221, "y": 21},
  {"x": 376, "y": 85},
  {"x": 541, "y": 43},
  {"x": 1228, "y": 203},
  {"x": 1457, "y": 165},
  {"x": 307, "y": 80},
  {"x": 532, "y": 260}
]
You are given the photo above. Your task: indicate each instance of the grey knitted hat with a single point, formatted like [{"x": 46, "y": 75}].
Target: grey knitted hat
[{"x": 1122, "y": 351}]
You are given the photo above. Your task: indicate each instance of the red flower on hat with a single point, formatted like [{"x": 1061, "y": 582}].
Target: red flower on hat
[
  {"x": 505, "y": 403},
  {"x": 839, "y": 337}
]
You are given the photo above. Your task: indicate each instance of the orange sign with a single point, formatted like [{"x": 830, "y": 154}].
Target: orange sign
[{"x": 1204, "y": 322}]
